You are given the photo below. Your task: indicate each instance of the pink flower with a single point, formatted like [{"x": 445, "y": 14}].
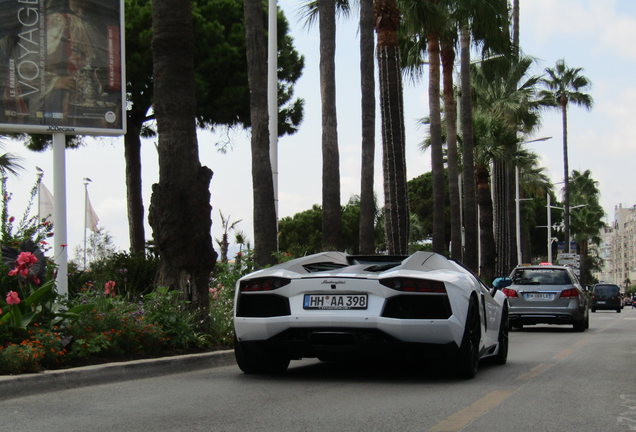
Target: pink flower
[
  {"x": 13, "y": 298},
  {"x": 109, "y": 288},
  {"x": 24, "y": 261},
  {"x": 26, "y": 258}
]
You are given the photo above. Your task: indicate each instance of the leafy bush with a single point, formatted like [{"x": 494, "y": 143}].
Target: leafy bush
[
  {"x": 222, "y": 289},
  {"x": 133, "y": 273},
  {"x": 165, "y": 308}
]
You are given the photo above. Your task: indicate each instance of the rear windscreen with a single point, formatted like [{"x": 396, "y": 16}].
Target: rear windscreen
[
  {"x": 540, "y": 277},
  {"x": 606, "y": 290}
]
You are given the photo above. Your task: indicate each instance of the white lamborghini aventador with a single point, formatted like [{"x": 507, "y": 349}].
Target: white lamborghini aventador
[{"x": 332, "y": 306}]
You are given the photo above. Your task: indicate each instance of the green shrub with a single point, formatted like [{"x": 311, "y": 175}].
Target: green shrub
[
  {"x": 165, "y": 308},
  {"x": 133, "y": 273}
]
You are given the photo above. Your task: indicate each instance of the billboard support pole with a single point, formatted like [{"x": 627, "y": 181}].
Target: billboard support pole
[{"x": 60, "y": 252}]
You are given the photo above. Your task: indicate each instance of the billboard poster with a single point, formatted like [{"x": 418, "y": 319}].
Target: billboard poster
[{"x": 61, "y": 66}]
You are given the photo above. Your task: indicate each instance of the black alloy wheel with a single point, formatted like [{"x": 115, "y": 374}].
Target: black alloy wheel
[{"x": 468, "y": 356}]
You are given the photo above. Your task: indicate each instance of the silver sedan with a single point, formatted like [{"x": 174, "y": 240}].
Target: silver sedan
[{"x": 546, "y": 294}]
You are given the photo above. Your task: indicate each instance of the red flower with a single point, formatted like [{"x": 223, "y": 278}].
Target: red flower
[
  {"x": 13, "y": 298},
  {"x": 109, "y": 288},
  {"x": 26, "y": 258},
  {"x": 24, "y": 261},
  {"x": 11, "y": 219}
]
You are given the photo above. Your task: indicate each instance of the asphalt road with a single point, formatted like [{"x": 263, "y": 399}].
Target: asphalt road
[{"x": 555, "y": 380}]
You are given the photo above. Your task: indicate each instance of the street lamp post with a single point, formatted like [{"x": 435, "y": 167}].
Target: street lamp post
[{"x": 549, "y": 225}]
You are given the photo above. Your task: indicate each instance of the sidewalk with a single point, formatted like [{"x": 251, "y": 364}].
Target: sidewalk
[{"x": 12, "y": 386}]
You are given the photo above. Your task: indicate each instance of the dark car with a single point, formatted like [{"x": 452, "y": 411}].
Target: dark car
[{"x": 606, "y": 297}]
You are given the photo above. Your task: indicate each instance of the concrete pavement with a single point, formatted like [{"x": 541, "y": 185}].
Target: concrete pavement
[{"x": 12, "y": 386}]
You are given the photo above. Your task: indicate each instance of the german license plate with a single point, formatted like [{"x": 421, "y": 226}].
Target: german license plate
[
  {"x": 335, "y": 301},
  {"x": 539, "y": 296}
]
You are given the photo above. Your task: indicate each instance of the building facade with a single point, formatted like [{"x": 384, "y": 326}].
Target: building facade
[{"x": 618, "y": 248}]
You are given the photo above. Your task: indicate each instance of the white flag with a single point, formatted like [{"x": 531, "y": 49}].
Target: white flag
[
  {"x": 91, "y": 216},
  {"x": 45, "y": 203}
]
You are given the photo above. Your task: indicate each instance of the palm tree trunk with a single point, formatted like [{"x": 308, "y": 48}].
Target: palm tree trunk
[
  {"x": 515, "y": 28},
  {"x": 265, "y": 241},
  {"x": 511, "y": 212},
  {"x": 331, "y": 218},
  {"x": 566, "y": 177},
  {"x": 450, "y": 109},
  {"x": 468, "y": 156},
  {"x": 583, "y": 245},
  {"x": 437, "y": 157},
  {"x": 180, "y": 203},
  {"x": 134, "y": 197},
  {"x": 396, "y": 221},
  {"x": 486, "y": 237},
  {"x": 367, "y": 77},
  {"x": 502, "y": 220}
]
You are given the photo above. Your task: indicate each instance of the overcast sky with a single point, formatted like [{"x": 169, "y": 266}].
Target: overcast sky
[{"x": 596, "y": 35}]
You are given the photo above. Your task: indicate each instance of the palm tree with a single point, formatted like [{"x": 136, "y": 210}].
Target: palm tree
[
  {"x": 425, "y": 22},
  {"x": 367, "y": 78},
  {"x": 183, "y": 192},
  {"x": 566, "y": 85},
  {"x": 9, "y": 163},
  {"x": 331, "y": 218},
  {"x": 325, "y": 11},
  {"x": 533, "y": 186},
  {"x": 265, "y": 237},
  {"x": 387, "y": 23},
  {"x": 587, "y": 221},
  {"x": 481, "y": 21},
  {"x": 504, "y": 92}
]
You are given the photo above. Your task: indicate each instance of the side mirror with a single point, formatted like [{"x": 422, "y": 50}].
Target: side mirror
[{"x": 501, "y": 282}]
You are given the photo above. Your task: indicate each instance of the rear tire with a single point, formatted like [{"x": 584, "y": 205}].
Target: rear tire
[
  {"x": 252, "y": 360},
  {"x": 467, "y": 362},
  {"x": 502, "y": 353},
  {"x": 581, "y": 325}
]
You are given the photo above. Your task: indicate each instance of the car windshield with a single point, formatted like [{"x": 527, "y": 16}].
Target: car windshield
[
  {"x": 540, "y": 277},
  {"x": 606, "y": 290}
]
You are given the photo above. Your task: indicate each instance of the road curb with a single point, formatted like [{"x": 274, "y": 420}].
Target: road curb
[{"x": 12, "y": 386}]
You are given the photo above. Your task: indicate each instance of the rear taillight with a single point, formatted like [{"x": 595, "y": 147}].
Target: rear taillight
[
  {"x": 510, "y": 292},
  {"x": 415, "y": 285},
  {"x": 262, "y": 284},
  {"x": 569, "y": 293}
]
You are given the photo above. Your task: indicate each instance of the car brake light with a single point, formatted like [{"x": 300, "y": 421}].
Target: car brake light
[
  {"x": 510, "y": 292},
  {"x": 262, "y": 284},
  {"x": 415, "y": 285},
  {"x": 570, "y": 293}
]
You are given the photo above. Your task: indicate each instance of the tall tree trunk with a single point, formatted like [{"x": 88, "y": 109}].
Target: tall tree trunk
[
  {"x": 583, "y": 246},
  {"x": 331, "y": 217},
  {"x": 396, "y": 216},
  {"x": 367, "y": 77},
  {"x": 511, "y": 211},
  {"x": 488, "y": 257},
  {"x": 180, "y": 203},
  {"x": 262, "y": 183},
  {"x": 566, "y": 175},
  {"x": 437, "y": 156},
  {"x": 468, "y": 156},
  {"x": 502, "y": 228},
  {"x": 450, "y": 109},
  {"x": 515, "y": 28},
  {"x": 134, "y": 197}
]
